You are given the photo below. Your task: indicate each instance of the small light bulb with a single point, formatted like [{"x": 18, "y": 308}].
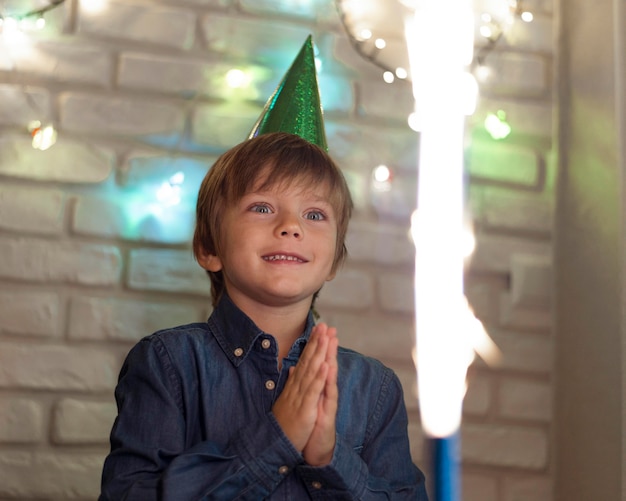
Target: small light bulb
[
  {"x": 527, "y": 16},
  {"x": 388, "y": 77},
  {"x": 236, "y": 79},
  {"x": 380, "y": 43},
  {"x": 401, "y": 73},
  {"x": 365, "y": 34},
  {"x": 382, "y": 174}
]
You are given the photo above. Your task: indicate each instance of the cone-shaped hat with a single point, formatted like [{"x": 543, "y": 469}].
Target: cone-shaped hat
[{"x": 295, "y": 105}]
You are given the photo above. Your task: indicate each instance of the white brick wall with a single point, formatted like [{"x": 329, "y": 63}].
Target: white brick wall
[{"x": 90, "y": 263}]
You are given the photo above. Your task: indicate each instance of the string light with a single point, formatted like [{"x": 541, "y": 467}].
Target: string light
[
  {"x": 381, "y": 178},
  {"x": 497, "y": 126},
  {"x": 492, "y": 29},
  {"x": 169, "y": 193},
  {"x": 30, "y": 20},
  {"x": 43, "y": 136}
]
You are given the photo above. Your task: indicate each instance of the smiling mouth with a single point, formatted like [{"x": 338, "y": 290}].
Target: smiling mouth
[{"x": 284, "y": 257}]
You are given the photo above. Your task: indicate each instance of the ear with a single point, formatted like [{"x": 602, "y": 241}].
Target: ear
[
  {"x": 331, "y": 275},
  {"x": 209, "y": 262}
]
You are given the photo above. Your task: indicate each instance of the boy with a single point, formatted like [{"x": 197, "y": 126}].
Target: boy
[{"x": 259, "y": 402}]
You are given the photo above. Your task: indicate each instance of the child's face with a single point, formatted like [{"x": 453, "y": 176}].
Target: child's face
[{"x": 278, "y": 245}]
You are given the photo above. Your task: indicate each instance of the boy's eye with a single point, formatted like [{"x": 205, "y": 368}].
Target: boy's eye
[
  {"x": 315, "y": 216},
  {"x": 261, "y": 209}
]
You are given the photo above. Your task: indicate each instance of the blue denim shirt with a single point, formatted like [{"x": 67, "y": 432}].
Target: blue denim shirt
[{"x": 195, "y": 422}]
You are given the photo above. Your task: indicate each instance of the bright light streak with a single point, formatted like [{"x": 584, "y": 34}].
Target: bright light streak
[{"x": 444, "y": 350}]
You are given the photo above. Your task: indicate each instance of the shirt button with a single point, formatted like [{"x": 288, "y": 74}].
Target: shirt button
[
  {"x": 316, "y": 485},
  {"x": 283, "y": 470},
  {"x": 266, "y": 343},
  {"x": 270, "y": 385},
  {"x": 238, "y": 352}
]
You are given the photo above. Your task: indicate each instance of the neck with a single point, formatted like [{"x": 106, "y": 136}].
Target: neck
[{"x": 285, "y": 323}]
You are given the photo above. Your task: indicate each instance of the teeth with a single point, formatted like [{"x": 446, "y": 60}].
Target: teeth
[{"x": 282, "y": 257}]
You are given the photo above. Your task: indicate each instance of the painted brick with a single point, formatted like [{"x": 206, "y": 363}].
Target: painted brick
[
  {"x": 22, "y": 104},
  {"x": 499, "y": 208},
  {"x": 531, "y": 280},
  {"x": 82, "y": 422},
  {"x": 477, "y": 401},
  {"x": 142, "y": 171},
  {"x": 518, "y": 74},
  {"x": 514, "y": 315},
  {"x": 477, "y": 487},
  {"x": 383, "y": 244},
  {"x": 395, "y": 199},
  {"x": 167, "y": 270},
  {"x": 494, "y": 253},
  {"x": 384, "y": 338},
  {"x": 60, "y": 475},
  {"x": 66, "y": 161},
  {"x": 21, "y": 421},
  {"x": 530, "y": 117},
  {"x": 521, "y": 399},
  {"x": 396, "y": 292},
  {"x": 40, "y": 261},
  {"x": 316, "y": 10},
  {"x": 362, "y": 148},
  {"x": 524, "y": 352},
  {"x": 483, "y": 297},
  {"x": 502, "y": 446},
  {"x": 222, "y": 126},
  {"x": 134, "y": 218},
  {"x": 31, "y": 210},
  {"x": 378, "y": 99},
  {"x": 124, "y": 319},
  {"x": 193, "y": 77},
  {"x": 533, "y": 37},
  {"x": 344, "y": 53},
  {"x": 216, "y": 4},
  {"x": 117, "y": 115},
  {"x": 140, "y": 22},
  {"x": 351, "y": 288},
  {"x": 32, "y": 313},
  {"x": 503, "y": 163},
  {"x": 535, "y": 488},
  {"x": 47, "y": 367},
  {"x": 67, "y": 62},
  {"x": 262, "y": 41}
]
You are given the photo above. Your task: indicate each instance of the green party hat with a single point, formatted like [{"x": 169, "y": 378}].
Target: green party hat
[{"x": 295, "y": 105}]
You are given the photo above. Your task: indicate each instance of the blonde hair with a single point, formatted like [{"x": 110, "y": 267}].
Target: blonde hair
[{"x": 282, "y": 158}]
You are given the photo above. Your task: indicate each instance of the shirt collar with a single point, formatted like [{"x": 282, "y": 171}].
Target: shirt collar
[{"x": 236, "y": 332}]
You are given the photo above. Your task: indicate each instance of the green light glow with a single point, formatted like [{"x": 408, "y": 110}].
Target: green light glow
[{"x": 497, "y": 126}]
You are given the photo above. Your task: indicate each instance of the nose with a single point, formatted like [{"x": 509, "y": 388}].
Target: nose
[{"x": 289, "y": 226}]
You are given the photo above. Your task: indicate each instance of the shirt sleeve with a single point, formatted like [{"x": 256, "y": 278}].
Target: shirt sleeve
[
  {"x": 149, "y": 460},
  {"x": 383, "y": 468}
]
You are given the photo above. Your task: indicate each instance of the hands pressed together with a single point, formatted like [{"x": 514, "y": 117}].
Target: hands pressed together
[{"x": 307, "y": 407}]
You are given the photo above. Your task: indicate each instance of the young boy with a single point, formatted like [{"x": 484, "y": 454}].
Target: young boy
[{"x": 259, "y": 402}]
